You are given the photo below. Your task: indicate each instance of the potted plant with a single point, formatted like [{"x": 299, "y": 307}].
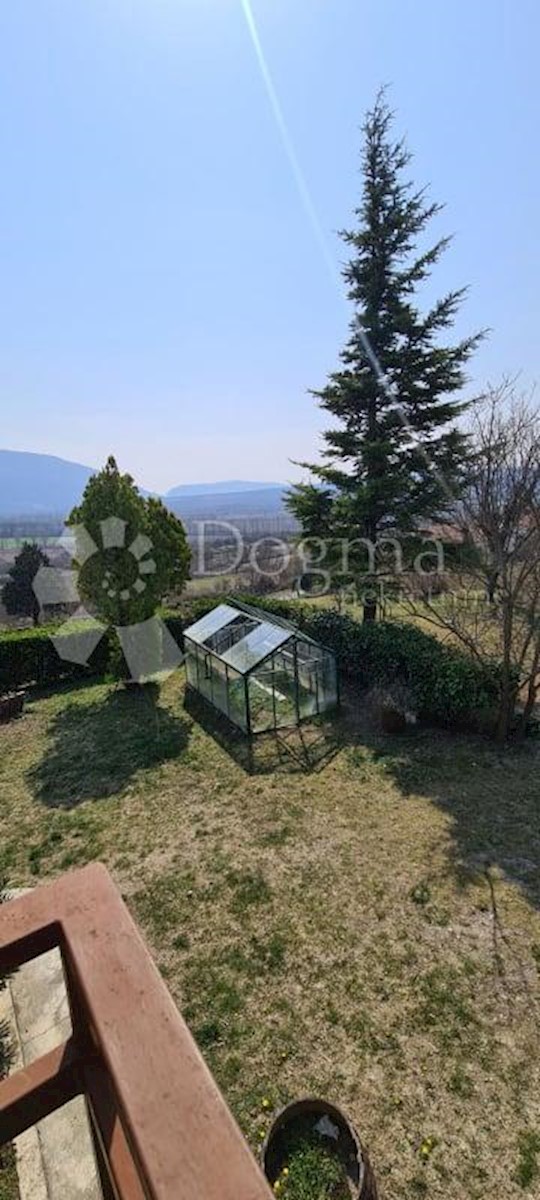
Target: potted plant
[
  {"x": 313, "y": 1149},
  {"x": 11, "y": 705},
  {"x": 393, "y": 706}
]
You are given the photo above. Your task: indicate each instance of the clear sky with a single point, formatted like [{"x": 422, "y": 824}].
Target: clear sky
[{"x": 163, "y": 294}]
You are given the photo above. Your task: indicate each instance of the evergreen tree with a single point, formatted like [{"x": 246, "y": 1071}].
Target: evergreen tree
[
  {"x": 125, "y": 583},
  {"x": 138, "y": 554},
  {"x": 18, "y": 596},
  {"x": 395, "y": 455}
]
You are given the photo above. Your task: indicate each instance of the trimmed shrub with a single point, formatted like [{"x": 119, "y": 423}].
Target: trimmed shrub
[
  {"x": 29, "y": 657},
  {"x": 176, "y": 624},
  {"x": 447, "y": 686},
  {"x": 192, "y": 608}
]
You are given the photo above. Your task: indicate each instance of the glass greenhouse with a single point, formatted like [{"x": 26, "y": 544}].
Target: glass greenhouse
[{"x": 257, "y": 669}]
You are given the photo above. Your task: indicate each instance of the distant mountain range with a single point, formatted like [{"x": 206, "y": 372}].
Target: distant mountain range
[
  {"x": 39, "y": 485},
  {"x": 252, "y": 502},
  {"x": 221, "y": 488}
]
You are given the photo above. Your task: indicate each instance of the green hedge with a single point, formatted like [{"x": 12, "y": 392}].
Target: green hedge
[
  {"x": 30, "y": 657},
  {"x": 194, "y": 607},
  {"x": 447, "y": 686}
]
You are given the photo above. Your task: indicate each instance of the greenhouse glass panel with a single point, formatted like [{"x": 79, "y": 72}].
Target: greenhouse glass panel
[
  {"x": 230, "y": 634},
  {"x": 310, "y": 682},
  {"x": 191, "y": 666},
  {"x": 204, "y": 668},
  {"x": 330, "y": 682},
  {"x": 209, "y": 624},
  {"x": 285, "y": 685},
  {"x": 262, "y": 699},
  {"x": 257, "y": 645},
  {"x": 237, "y": 699},
  {"x": 220, "y": 691}
]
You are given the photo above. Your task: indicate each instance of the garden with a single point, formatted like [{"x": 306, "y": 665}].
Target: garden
[
  {"x": 347, "y": 910},
  {"x": 363, "y": 928}
]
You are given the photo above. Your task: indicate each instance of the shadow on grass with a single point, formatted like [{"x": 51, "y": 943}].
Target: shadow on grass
[
  {"x": 491, "y": 796},
  {"x": 95, "y": 748},
  {"x": 299, "y": 750}
]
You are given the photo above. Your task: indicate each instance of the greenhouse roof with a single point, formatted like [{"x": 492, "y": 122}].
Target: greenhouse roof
[
  {"x": 262, "y": 636},
  {"x": 258, "y": 644},
  {"x": 215, "y": 620}
]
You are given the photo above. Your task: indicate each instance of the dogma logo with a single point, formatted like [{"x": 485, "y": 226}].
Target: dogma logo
[{"x": 124, "y": 572}]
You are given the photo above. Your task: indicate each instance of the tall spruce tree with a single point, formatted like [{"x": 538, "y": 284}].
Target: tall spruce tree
[{"x": 396, "y": 454}]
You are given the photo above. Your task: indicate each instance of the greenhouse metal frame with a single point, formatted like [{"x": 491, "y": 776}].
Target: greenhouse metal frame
[{"x": 258, "y": 670}]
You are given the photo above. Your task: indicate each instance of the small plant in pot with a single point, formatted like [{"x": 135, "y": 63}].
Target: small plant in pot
[
  {"x": 312, "y": 1152},
  {"x": 11, "y": 705},
  {"x": 393, "y": 706}
]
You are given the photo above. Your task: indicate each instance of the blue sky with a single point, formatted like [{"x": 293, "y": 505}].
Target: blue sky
[{"x": 162, "y": 293}]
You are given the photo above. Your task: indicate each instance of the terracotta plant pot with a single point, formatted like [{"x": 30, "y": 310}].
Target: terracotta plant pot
[
  {"x": 11, "y": 706},
  {"x": 341, "y": 1138}
]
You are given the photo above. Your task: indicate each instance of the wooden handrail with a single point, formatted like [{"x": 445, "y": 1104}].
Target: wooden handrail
[{"x": 161, "y": 1128}]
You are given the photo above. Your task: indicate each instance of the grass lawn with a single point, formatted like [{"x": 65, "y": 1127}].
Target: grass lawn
[
  {"x": 9, "y": 1186},
  {"x": 367, "y": 931}
]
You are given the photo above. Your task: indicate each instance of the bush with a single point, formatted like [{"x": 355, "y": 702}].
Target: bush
[
  {"x": 30, "y": 657},
  {"x": 447, "y": 686},
  {"x": 192, "y": 608}
]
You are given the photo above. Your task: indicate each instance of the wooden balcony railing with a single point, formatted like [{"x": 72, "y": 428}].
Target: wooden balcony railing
[{"x": 161, "y": 1128}]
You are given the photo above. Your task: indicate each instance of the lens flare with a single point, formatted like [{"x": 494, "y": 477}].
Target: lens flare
[{"x": 387, "y": 386}]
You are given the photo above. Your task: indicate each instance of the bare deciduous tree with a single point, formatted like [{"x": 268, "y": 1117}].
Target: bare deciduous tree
[{"x": 493, "y": 604}]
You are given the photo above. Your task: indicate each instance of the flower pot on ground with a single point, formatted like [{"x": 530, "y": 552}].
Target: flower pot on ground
[
  {"x": 11, "y": 705},
  {"x": 393, "y": 708},
  {"x": 392, "y": 720},
  {"x": 313, "y": 1149}
]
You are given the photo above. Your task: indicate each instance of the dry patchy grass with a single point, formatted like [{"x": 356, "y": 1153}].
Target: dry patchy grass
[{"x": 368, "y": 931}]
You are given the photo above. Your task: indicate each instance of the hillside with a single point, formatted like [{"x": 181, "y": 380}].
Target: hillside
[
  {"x": 263, "y": 502},
  {"x": 35, "y": 484},
  {"x": 42, "y": 485},
  {"x": 220, "y": 488}
]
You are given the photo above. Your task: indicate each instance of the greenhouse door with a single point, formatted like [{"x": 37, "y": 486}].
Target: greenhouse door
[
  {"x": 261, "y": 699},
  {"x": 309, "y": 685}
]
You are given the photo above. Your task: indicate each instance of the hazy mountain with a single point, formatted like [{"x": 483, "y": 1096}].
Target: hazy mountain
[
  {"x": 32, "y": 484},
  {"x": 35, "y": 485},
  {"x": 223, "y": 487},
  {"x": 263, "y": 502}
]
